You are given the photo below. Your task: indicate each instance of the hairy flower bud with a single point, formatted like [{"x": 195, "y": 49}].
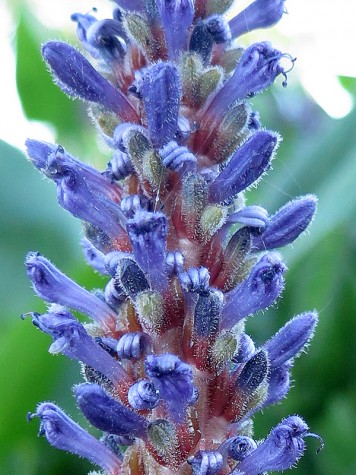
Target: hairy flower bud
[
  {"x": 259, "y": 14},
  {"x": 77, "y": 78},
  {"x": 107, "y": 414},
  {"x": 258, "y": 291},
  {"x": 176, "y": 17},
  {"x": 287, "y": 224},
  {"x": 246, "y": 166}
]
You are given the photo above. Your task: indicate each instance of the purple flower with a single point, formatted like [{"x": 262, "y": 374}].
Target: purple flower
[
  {"x": 119, "y": 167},
  {"x": 291, "y": 339},
  {"x": 133, "y": 345},
  {"x": 246, "y": 166},
  {"x": 252, "y": 216},
  {"x": 101, "y": 38},
  {"x": 81, "y": 190},
  {"x": 287, "y": 224},
  {"x": 169, "y": 368},
  {"x": 93, "y": 256},
  {"x": 54, "y": 287},
  {"x": 77, "y": 78},
  {"x": 176, "y": 17},
  {"x": 281, "y": 450},
  {"x": 107, "y": 414},
  {"x": 177, "y": 158},
  {"x": 257, "y": 69},
  {"x": 131, "y": 5},
  {"x": 259, "y": 14},
  {"x": 64, "y": 434},
  {"x": 238, "y": 447},
  {"x": 262, "y": 287},
  {"x": 143, "y": 395},
  {"x": 71, "y": 339},
  {"x": 160, "y": 91},
  {"x": 174, "y": 381},
  {"x": 174, "y": 262},
  {"x": 55, "y": 163},
  {"x": 147, "y": 232},
  {"x": 278, "y": 384},
  {"x": 246, "y": 349}
]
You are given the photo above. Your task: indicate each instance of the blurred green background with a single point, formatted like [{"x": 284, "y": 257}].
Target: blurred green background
[{"x": 317, "y": 155}]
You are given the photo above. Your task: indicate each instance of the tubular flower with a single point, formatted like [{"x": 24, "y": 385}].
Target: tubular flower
[{"x": 170, "y": 375}]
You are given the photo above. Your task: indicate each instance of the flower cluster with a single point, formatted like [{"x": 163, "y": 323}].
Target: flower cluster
[{"x": 171, "y": 377}]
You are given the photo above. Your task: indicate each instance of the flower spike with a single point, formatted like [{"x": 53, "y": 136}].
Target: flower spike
[{"x": 171, "y": 376}]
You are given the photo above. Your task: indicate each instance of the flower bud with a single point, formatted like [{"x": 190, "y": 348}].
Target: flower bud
[
  {"x": 206, "y": 462},
  {"x": 119, "y": 167},
  {"x": 259, "y": 14},
  {"x": 107, "y": 414},
  {"x": 160, "y": 92},
  {"x": 177, "y": 158},
  {"x": 287, "y": 224},
  {"x": 194, "y": 200},
  {"x": 77, "y": 78},
  {"x": 195, "y": 280},
  {"x": 258, "y": 291},
  {"x": 246, "y": 165},
  {"x": 207, "y": 313},
  {"x": 291, "y": 339},
  {"x": 133, "y": 345},
  {"x": 174, "y": 262},
  {"x": 147, "y": 232},
  {"x": 130, "y": 277},
  {"x": 143, "y": 395},
  {"x": 150, "y": 308},
  {"x": 176, "y": 17},
  {"x": 253, "y": 374}
]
